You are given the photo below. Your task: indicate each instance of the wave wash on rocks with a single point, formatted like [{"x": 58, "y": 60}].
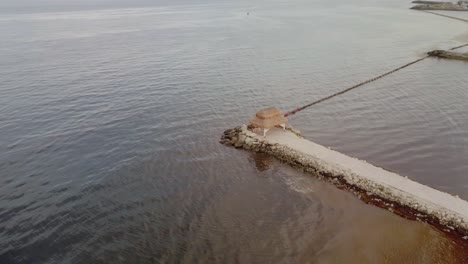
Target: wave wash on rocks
[{"x": 402, "y": 203}]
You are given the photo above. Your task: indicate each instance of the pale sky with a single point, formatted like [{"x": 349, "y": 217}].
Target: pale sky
[{"x": 53, "y": 5}]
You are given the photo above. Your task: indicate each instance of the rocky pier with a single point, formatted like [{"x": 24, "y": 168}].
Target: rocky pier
[
  {"x": 371, "y": 184},
  {"x": 447, "y": 6},
  {"x": 449, "y": 55}
]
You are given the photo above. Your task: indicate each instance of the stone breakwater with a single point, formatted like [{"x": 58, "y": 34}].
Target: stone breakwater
[
  {"x": 243, "y": 137},
  {"x": 449, "y": 55},
  {"x": 391, "y": 198},
  {"x": 446, "y": 6}
]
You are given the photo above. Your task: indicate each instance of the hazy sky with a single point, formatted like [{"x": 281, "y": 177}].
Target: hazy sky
[
  {"x": 67, "y": 2},
  {"x": 56, "y": 5}
]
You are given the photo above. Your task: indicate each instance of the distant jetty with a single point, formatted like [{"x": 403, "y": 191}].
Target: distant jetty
[
  {"x": 447, "y": 6},
  {"x": 449, "y": 55},
  {"x": 430, "y": 2}
]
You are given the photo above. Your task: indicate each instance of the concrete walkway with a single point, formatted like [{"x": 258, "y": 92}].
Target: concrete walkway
[
  {"x": 369, "y": 183},
  {"x": 408, "y": 192}
]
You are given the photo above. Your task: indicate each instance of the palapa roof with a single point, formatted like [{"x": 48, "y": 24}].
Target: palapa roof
[
  {"x": 268, "y": 113},
  {"x": 268, "y": 118}
]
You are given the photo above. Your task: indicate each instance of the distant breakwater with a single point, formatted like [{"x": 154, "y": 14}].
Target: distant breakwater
[
  {"x": 449, "y": 55},
  {"x": 446, "y": 6}
]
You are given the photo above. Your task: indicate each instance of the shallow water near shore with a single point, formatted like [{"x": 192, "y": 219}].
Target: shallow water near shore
[{"x": 111, "y": 119}]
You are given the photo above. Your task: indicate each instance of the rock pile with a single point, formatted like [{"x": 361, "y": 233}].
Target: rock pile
[
  {"x": 449, "y": 55},
  {"x": 434, "y": 5},
  {"x": 244, "y": 137}
]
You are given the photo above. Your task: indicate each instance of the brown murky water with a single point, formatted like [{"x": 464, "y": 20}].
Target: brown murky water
[{"x": 110, "y": 120}]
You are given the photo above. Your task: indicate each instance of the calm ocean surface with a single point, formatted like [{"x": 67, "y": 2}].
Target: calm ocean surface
[{"x": 110, "y": 120}]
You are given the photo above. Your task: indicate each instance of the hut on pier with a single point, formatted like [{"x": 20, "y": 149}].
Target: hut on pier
[{"x": 267, "y": 118}]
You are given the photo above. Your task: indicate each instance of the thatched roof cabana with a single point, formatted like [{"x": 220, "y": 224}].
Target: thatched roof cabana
[{"x": 268, "y": 118}]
